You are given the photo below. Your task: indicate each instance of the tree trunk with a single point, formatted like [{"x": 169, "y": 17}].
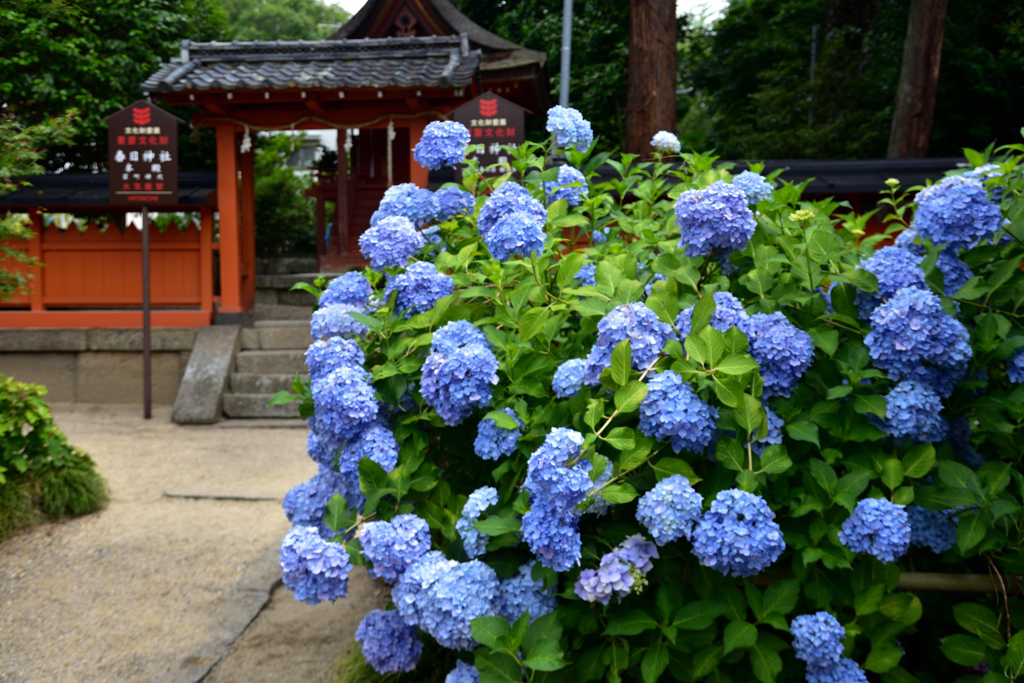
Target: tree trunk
[
  {"x": 651, "y": 100},
  {"x": 919, "y": 80}
]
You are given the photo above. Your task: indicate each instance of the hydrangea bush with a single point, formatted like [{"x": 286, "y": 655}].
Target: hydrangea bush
[{"x": 679, "y": 425}]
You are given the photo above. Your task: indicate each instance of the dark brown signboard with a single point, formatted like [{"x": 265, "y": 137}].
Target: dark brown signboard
[
  {"x": 492, "y": 121},
  {"x": 143, "y": 156}
]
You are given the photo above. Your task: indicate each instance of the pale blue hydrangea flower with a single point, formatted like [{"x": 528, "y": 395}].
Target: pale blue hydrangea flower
[
  {"x": 389, "y": 645},
  {"x": 931, "y": 529},
  {"x": 467, "y": 591},
  {"x": 738, "y": 535},
  {"x": 459, "y": 372},
  {"x": 774, "y": 435},
  {"x": 600, "y": 236},
  {"x": 305, "y": 504},
  {"x": 877, "y": 527},
  {"x": 570, "y": 128},
  {"x": 410, "y": 593},
  {"x": 375, "y": 442},
  {"x": 443, "y": 144},
  {"x": 587, "y": 275},
  {"x": 647, "y": 336},
  {"x": 520, "y": 594},
  {"x": 673, "y": 410},
  {"x": 843, "y": 671},
  {"x": 754, "y": 185},
  {"x": 670, "y": 509},
  {"x": 410, "y": 201},
  {"x": 728, "y": 313},
  {"x": 473, "y": 540},
  {"x": 334, "y": 321},
  {"x": 463, "y": 673},
  {"x": 1015, "y": 367},
  {"x": 314, "y": 569},
  {"x": 913, "y": 411},
  {"x": 895, "y": 268},
  {"x": 519, "y": 233},
  {"x": 455, "y": 335},
  {"x": 325, "y": 355},
  {"x": 392, "y": 546},
  {"x": 344, "y": 404},
  {"x": 568, "y": 379},
  {"x": 666, "y": 142},
  {"x": 493, "y": 442},
  {"x": 566, "y": 186},
  {"x": 984, "y": 172},
  {"x": 509, "y": 198},
  {"x": 453, "y": 201},
  {"x": 818, "y": 638},
  {"x": 714, "y": 220},
  {"x": 956, "y": 212},
  {"x": 781, "y": 349},
  {"x": 621, "y": 571},
  {"x": 419, "y": 288},
  {"x": 390, "y": 243},
  {"x": 351, "y": 288}
]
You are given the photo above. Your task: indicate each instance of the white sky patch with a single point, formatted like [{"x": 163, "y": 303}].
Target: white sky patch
[{"x": 712, "y": 8}]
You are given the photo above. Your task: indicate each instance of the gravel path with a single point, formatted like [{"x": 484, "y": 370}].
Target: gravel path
[{"x": 155, "y": 588}]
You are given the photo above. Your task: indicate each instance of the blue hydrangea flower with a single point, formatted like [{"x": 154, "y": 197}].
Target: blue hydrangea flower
[
  {"x": 1015, "y": 367},
  {"x": 314, "y": 569},
  {"x": 443, "y": 144},
  {"x": 931, "y": 529},
  {"x": 956, "y": 212},
  {"x": 516, "y": 234},
  {"x": 392, "y": 546},
  {"x": 670, "y": 509},
  {"x": 466, "y": 591},
  {"x": 587, "y": 275},
  {"x": 306, "y": 503},
  {"x": 570, "y": 128},
  {"x": 714, "y": 220},
  {"x": 647, "y": 336},
  {"x": 473, "y": 540},
  {"x": 666, "y": 142},
  {"x": 389, "y": 645},
  {"x": 781, "y": 349},
  {"x": 984, "y": 172},
  {"x": 459, "y": 372},
  {"x": 754, "y": 185},
  {"x": 621, "y": 571},
  {"x": 316, "y": 450},
  {"x": 649, "y": 287},
  {"x": 419, "y": 288},
  {"x": 452, "y": 202},
  {"x": 877, "y": 527},
  {"x": 410, "y": 593},
  {"x": 375, "y": 442},
  {"x": 568, "y": 379},
  {"x": 895, "y": 269},
  {"x": 550, "y": 526},
  {"x": 911, "y": 329},
  {"x": 566, "y": 186},
  {"x": 344, "y": 404},
  {"x": 598, "y": 504},
  {"x": 326, "y": 355},
  {"x": 335, "y": 321},
  {"x": 955, "y": 273},
  {"x": 738, "y": 535},
  {"x": 463, "y": 673},
  {"x": 520, "y": 594},
  {"x": 351, "y": 288},
  {"x": 818, "y": 638},
  {"x": 492, "y": 441},
  {"x": 509, "y": 198},
  {"x": 843, "y": 671},
  {"x": 410, "y": 201},
  {"x": 673, "y": 410},
  {"x": 912, "y": 411},
  {"x": 600, "y": 236},
  {"x": 774, "y": 435},
  {"x": 390, "y": 243},
  {"x": 728, "y": 313}
]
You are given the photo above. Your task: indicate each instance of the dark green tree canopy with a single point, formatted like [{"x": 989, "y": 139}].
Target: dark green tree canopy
[{"x": 282, "y": 19}]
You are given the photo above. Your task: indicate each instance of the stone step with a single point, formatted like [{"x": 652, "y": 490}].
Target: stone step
[
  {"x": 282, "y": 312},
  {"x": 244, "y": 383},
  {"x": 277, "y": 337},
  {"x": 260, "y": 324},
  {"x": 273, "y": 362},
  {"x": 257, "y": 406},
  {"x": 283, "y": 265},
  {"x": 286, "y": 282}
]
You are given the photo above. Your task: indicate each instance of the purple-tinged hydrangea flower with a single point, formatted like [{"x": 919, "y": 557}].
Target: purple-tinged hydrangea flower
[
  {"x": 666, "y": 142},
  {"x": 570, "y": 186},
  {"x": 519, "y": 233},
  {"x": 621, "y": 571},
  {"x": 419, "y": 288},
  {"x": 410, "y": 201},
  {"x": 391, "y": 547},
  {"x": 588, "y": 275},
  {"x": 316, "y": 450},
  {"x": 895, "y": 269},
  {"x": 956, "y": 212},
  {"x": 375, "y": 442},
  {"x": 459, "y": 372},
  {"x": 754, "y": 185},
  {"x": 670, "y": 509},
  {"x": 637, "y": 323},
  {"x": 877, "y": 527},
  {"x": 673, "y": 410},
  {"x": 521, "y": 593},
  {"x": 389, "y": 645},
  {"x": 473, "y": 540},
  {"x": 306, "y": 503},
  {"x": 410, "y": 593},
  {"x": 911, "y": 329},
  {"x": 774, "y": 435},
  {"x": 738, "y": 535},
  {"x": 843, "y": 671},
  {"x": 390, "y": 243},
  {"x": 509, "y": 198},
  {"x": 714, "y": 220},
  {"x": 568, "y": 379},
  {"x": 912, "y": 411},
  {"x": 570, "y": 128},
  {"x": 550, "y": 526},
  {"x": 492, "y": 441},
  {"x": 314, "y": 569},
  {"x": 443, "y": 144},
  {"x": 781, "y": 349},
  {"x": 1015, "y": 367},
  {"x": 463, "y": 673},
  {"x": 467, "y": 591},
  {"x": 326, "y": 355},
  {"x": 452, "y": 202},
  {"x": 351, "y": 288},
  {"x": 818, "y": 638},
  {"x": 335, "y": 321},
  {"x": 728, "y": 313},
  {"x": 931, "y": 529},
  {"x": 344, "y": 404}
]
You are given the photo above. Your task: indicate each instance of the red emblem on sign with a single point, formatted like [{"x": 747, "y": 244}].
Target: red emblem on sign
[
  {"x": 488, "y": 107},
  {"x": 140, "y": 117}
]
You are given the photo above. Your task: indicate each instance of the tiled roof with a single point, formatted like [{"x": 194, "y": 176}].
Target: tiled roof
[{"x": 434, "y": 61}]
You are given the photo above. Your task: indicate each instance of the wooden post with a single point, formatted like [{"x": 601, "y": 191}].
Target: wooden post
[
  {"x": 230, "y": 238},
  {"x": 35, "y": 250},
  {"x": 147, "y": 375},
  {"x": 341, "y": 210},
  {"x": 418, "y": 175},
  {"x": 651, "y": 100},
  {"x": 248, "y": 229},
  {"x": 206, "y": 260}
]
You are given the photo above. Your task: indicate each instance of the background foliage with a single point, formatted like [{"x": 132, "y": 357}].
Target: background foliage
[{"x": 285, "y": 220}]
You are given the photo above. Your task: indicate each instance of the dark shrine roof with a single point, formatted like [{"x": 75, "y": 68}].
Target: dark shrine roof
[
  {"x": 423, "y": 61},
  {"x": 84, "y": 190}
]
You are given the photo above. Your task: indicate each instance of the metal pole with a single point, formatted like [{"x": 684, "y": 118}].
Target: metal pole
[
  {"x": 147, "y": 379},
  {"x": 814, "y": 60},
  {"x": 563, "y": 81}
]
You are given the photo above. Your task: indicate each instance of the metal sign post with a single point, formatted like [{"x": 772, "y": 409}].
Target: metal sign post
[{"x": 147, "y": 368}]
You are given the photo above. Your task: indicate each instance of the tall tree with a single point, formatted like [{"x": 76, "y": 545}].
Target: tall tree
[
  {"x": 919, "y": 79},
  {"x": 651, "y": 100},
  {"x": 283, "y": 19}
]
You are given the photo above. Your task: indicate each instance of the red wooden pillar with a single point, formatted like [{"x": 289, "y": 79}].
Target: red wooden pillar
[
  {"x": 230, "y": 234},
  {"x": 35, "y": 250},
  {"x": 206, "y": 260},
  {"x": 248, "y": 229},
  {"x": 418, "y": 175}
]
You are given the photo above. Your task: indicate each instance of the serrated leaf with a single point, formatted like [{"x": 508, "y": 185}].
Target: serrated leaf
[
  {"x": 375, "y": 324},
  {"x": 629, "y": 397},
  {"x": 803, "y": 431},
  {"x": 487, "y": 630},
  {"x": 869, "y": 403},
  {"x": 698, "y": 615},
  {"x": 568, "y": 267},
  {"x": 496, "y": 526},
  {"x": 970, "y": 530},
  {"x": 825, "y": 339},
  {"x": 981, "y": 621},
  {"x": 736, "y": 365},
  {"x": 766, "y": 662},
  {"x": 497, "y": 667},
  {"x": 892, "y": 473},
  {"x": 282, "y": 398},
  {"x": 619, "y": 494},
  {"x": 781, "y": 597},
  {"x": 823, "y": 473},
  {"x": 595, "y": 412},
  {"x": 546, "y": 655},
  {"x": 532, "y": 321},
  {"x": 634, "y": 457},
  {"x": 502, "y": 419},
  {"x": 701, "y": 317},
  {"x": 630, "y": 623},
  {"x": 775, "y": 459},
  {"x": 666, "y": 467},
  {"x": 730, "y": 454},
  {"x": 749, "y": 414},
  {"x": 883, "y": 658},
  {"x": 963, "y": 649},
  {"x": 337, "y": 516},
  {"x": 621, "y": 438},
  {"x": 739, "y": 635},
  {"x": 919, "y": 461},
  {"x": 655, "y": 661}
]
